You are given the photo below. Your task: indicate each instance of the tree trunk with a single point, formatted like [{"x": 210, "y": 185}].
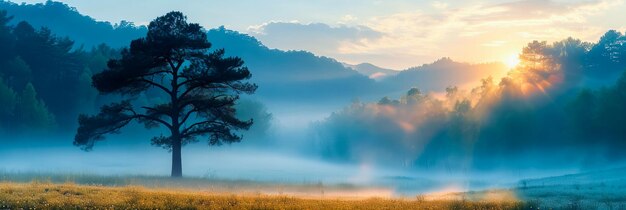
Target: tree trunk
[{"x": 177, "y": 165}]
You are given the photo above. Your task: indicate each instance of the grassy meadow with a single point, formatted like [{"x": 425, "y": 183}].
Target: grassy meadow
[
  {"x": 86, "y": 191},
  {"x": 37, "y": 195}
]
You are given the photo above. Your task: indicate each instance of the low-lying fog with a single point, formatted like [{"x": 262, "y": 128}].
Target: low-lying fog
[{"x": 287, "y": 158}]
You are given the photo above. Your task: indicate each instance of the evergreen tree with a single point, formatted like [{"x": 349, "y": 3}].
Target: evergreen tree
[
  {"x": 8, "y": 100},
  {"x": 32, "y": 113},
  {"x": 17, "y": 73},
  {"x": 86, "y": 93},
  {"x": 6, "y": 37},
  {"x": 201, "y": 89},
  {"x": 55, "y": 68}
]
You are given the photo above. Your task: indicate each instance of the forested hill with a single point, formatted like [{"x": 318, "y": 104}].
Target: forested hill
[{"x": 64, "y": 20}]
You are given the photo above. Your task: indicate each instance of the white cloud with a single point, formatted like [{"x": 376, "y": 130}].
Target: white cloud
[
  {"x": 315, "y": 37},
  {"x": 472, "y": 33},
  {"x": 495, "y": 43},
  {"x": 347, "y": 19},
  {"x": 439, "y": 5}
]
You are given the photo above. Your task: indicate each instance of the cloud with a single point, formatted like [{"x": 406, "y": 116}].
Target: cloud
[
  {"x": 541, "y": 11},
  {"x": 495, "y": 43},
  {"x": 348, "y": 19},
  {"x": 319, "y": 38},
  {"x": 439, "y": 5},
  {"x": 472, "y": 32}
]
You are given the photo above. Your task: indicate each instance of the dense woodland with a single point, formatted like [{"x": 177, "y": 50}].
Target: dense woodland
[{"x": 46, "y": 80}]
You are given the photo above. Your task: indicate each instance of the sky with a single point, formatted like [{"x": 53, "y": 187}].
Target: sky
[{"x": 392, "y": 34}]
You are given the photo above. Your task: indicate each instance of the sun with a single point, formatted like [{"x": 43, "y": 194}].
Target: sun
[{"x": 512, "y": 61}]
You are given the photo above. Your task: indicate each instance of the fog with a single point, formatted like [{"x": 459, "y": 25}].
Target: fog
[
  {"x": 262, "y": 165},
  {"x": 286, "y": 153}
]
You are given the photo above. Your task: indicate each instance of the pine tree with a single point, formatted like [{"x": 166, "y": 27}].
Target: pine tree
[
  {"x": 8, "y": 100},
  {"x": 32, "y": 113},
  {"x": 201, "y": 87}
]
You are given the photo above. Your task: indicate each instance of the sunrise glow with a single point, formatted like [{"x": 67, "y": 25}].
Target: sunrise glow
[{"x": 512, "y": 61}]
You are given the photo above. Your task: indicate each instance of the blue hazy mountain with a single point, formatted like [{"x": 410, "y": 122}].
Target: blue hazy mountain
[
  {"x": 292, "y": 74},
  {"x": 442, "y": 73},
  {"x": 64, "y": 20},
  {"x": 372, "y": 71}
]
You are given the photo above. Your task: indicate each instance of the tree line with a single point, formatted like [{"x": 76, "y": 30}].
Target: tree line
[{"x": 46, "y": 80}]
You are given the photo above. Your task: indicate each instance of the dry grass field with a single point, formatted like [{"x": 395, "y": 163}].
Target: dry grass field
[
  {"x": 38, "y": 195},
  {"x": 24, "y": 190}
]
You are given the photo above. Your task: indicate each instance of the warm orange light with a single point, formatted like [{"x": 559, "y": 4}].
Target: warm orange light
[{"x": 512, "y": 61}]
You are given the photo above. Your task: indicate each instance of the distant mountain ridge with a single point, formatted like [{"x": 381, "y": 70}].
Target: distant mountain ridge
[
  {"x": 292, "y": 74},
  {"x": 64, "y": 20},
  {"x": 372, "y": 71},
  {"x": 442, "y": 73}
]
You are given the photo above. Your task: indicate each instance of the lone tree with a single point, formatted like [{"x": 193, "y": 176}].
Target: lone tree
[{"x": 201, "y": 88}]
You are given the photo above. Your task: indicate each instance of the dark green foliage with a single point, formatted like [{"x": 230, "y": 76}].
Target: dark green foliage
[
  {"x": 60, "y": 75},
  {"x": 54, "y": 67},
  {"x": 601, "y": 114},
  {"x": 201, "y": 89},
  {"x": 8, "y": 100},
  {"x": 16, "y": 73},
  {"x": 608, "y": 56},
  {"x": 6, "y": 38},
  {"x": 32, "y": 113}
]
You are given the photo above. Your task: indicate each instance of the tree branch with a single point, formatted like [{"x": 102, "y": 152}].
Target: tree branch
[
  {"x": 135, "y": 115},
  {"x": 154, "y": 119},
  {"x": 186, "y": 130},
  {"x": 156, "y": 72},
  {"x": 156, "y": 85},
  {"x": 188, "y": 115},
  {"x": 188, "y": 90}
]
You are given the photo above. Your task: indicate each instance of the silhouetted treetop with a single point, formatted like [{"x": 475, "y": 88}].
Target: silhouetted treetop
[{"x": 171, "y": 33}]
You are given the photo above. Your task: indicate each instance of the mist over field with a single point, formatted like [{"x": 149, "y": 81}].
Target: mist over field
[{"x": 447, "y": 125}]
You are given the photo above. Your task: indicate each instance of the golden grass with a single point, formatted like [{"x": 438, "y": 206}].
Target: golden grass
[{"x": 38, "y": 195}]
